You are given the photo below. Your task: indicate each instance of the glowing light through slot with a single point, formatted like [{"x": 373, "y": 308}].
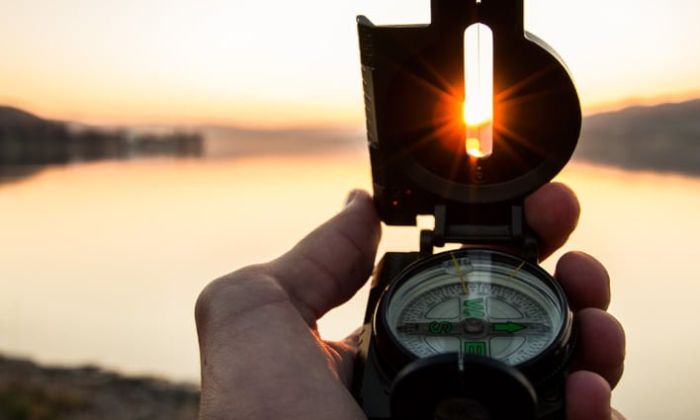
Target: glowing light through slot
[{"x": 478, "y": 90}]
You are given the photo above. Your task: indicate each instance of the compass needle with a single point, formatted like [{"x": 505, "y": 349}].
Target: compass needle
[
  {"x": 509, "y": 301},
  {"x": 516, "y": 271},
  {"x": 462, "y": 280}
]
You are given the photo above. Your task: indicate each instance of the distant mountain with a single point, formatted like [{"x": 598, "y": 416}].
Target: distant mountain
[
  {"x": 10, "y": 116},
  {"x": 27, "y": 141},
  {"x": 662, "y": 138}
]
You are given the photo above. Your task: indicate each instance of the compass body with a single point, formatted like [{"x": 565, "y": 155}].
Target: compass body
[
  {"x": 474, "y": 333},
  {"x": 434, "y": 324}
]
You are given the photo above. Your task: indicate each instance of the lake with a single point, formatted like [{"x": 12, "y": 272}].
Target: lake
[{"x": 101, "y": 263}]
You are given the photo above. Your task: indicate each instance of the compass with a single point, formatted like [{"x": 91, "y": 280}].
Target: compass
[
  {"x": 475, "y": 302},
  {"x": 466, "y": 116}
]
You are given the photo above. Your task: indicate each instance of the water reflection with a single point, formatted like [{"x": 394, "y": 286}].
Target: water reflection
[{"x": 102, "y": 262}]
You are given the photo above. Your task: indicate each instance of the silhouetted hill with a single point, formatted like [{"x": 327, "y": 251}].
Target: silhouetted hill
[
  {"x": 662, "y": 138},
  {"x": 10, "y": 116},
  {"x": 27, "y": 140}
]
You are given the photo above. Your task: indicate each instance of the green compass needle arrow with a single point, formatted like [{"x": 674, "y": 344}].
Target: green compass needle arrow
[
  {"x": 523, "y": 328},
  {"x": 472, "y": 327},
  {"x": 510, "y": 327}
]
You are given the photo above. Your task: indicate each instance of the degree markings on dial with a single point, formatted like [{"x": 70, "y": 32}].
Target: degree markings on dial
[
  {"x": 445, "y": 328},
  {"x": 417, "y": 309}
]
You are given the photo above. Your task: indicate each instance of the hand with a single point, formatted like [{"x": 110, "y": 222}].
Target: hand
[{"x": 262, "y": 356}]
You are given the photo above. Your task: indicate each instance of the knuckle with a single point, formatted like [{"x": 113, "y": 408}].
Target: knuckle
[
  {"x": 205, "y": 301},
  {"x": 221, "y": 291}
]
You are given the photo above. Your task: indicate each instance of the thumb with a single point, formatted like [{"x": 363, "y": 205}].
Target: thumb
[{"x": 329, "y": 265}]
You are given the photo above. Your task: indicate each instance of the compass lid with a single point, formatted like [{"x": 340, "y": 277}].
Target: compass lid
[{"x": 414, "y": 80}]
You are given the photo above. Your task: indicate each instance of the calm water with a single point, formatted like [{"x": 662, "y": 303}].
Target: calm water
[{"x": 102, "y": 263}]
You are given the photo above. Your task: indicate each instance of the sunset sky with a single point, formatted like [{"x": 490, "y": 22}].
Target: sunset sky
[{"x": 295, "y": 63}]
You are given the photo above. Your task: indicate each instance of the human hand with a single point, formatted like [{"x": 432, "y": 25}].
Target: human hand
[{"x": 262, "y": 356}]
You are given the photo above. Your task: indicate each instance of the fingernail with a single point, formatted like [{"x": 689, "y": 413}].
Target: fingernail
[{"x": 351, "y": 196}]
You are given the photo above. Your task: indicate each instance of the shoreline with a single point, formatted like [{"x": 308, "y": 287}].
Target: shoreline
[{"x": 32, "y": 391}]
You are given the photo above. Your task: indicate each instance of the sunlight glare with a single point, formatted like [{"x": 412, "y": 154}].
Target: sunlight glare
[{"x": 478, "y": 90}]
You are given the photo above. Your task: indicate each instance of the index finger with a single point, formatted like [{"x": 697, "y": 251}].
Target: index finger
[{"x": 552, "y": 212}]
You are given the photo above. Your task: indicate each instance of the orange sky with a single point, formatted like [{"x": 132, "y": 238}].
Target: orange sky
[{"x": 263, "y": 64}]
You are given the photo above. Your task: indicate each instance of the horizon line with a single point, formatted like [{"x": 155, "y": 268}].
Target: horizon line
[{"x": 175, "y": 122}]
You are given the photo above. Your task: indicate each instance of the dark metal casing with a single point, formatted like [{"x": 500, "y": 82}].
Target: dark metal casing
[{"x": 413, "y": 80}]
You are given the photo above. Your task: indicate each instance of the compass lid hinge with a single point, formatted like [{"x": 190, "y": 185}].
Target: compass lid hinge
[{"x": 486, "y": 226}]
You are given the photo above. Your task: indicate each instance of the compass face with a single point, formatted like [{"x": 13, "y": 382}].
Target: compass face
[{"x": 476, "y": 302}]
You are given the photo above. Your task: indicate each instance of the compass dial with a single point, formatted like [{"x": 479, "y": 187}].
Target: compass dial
[{"x": 476, "y": 302}]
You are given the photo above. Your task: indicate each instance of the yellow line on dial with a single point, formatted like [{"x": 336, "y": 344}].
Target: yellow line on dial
[{"x": 462, "y": 280}]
